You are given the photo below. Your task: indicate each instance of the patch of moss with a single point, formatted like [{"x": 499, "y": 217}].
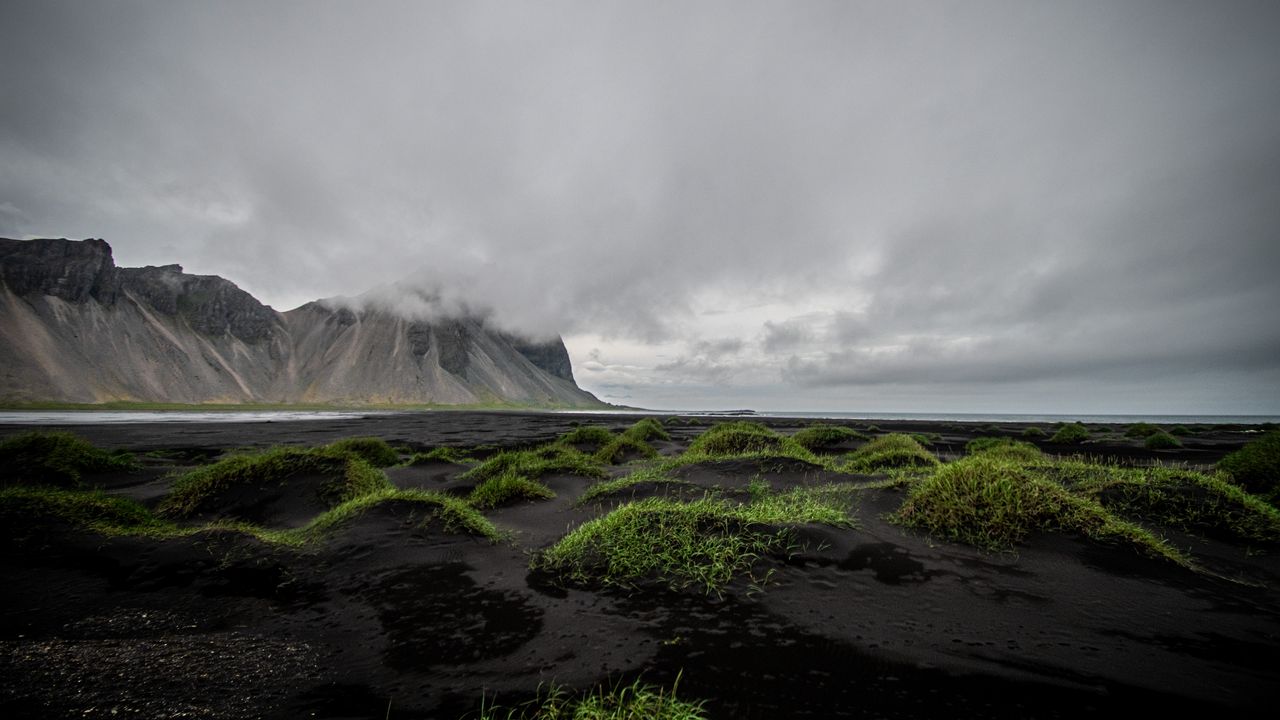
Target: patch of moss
[{"x": 56, "y": 458}]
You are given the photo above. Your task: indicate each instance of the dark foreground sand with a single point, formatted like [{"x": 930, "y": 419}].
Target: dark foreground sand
[{"x": 382, "y": 621}]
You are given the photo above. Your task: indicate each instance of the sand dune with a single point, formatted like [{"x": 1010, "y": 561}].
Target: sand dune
[{"x": 394, "y": 607}]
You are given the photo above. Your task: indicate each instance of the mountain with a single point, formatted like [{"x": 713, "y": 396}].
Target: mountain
[{"x": 76, "y": 328}]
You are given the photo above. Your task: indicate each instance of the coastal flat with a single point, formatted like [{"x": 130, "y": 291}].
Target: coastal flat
[{"x": 386, "y": 617}]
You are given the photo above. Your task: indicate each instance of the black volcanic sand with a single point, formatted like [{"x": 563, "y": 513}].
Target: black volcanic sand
[{"x": 386, "y": 619}]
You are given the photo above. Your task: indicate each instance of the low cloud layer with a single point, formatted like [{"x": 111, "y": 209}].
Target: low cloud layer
[{"x": 1042, "y": 206}]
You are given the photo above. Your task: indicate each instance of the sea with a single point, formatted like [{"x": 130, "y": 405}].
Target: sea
[
  {"x": 76, "y": 417},
  {"x": 1042, "y": 418},
  {"x": 968, "y": 417}
]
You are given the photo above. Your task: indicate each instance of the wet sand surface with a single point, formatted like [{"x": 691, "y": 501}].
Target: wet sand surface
[{"x": 385, "y": 619}]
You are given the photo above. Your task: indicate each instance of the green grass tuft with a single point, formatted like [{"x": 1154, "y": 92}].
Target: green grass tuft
[
  {"x": 353, "y": 476},
  {"x": 816, "y": 437},
  {"x": 1141, "y": 430},
  {"x": 647, "y": 475},
  {"x": 621, "y": 446},
  {"x": 115, "y": 516},
  {"x": 888, "y": 452},
  {"x": 587, "y": 435},
  {"x": 546, "y": 460},
  {"x": 636, "y": 701},
  {"x": 994, "y": 504},
  {"x": 87, "y": 510},
  {"x": 456, "y": 456},
  {"x": 742, "y": 440},
  {"x": 499, "y": 489},
  {"x": 1256, "y": 467},
  {"x": 1177, "y": 498},
  {"x": 1033, "y": 432},
  {"x": 372, "y": 450},
  {"x": 454, "y": 514},
  {"x": 979, "y": 444},
  {"x": 1161, "y": 440},
  {"x": 56, "y": 458},
  {"x": 1006, "y": 448},
  {"x": 704, "y": 543},
  {"x": 647, "y": 429},
  {"x": 1071, "y": 433},
  {"x": 735, "y": 438}
]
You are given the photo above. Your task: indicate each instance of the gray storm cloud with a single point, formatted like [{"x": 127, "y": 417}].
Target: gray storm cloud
[{"x": 927, "y": 193}]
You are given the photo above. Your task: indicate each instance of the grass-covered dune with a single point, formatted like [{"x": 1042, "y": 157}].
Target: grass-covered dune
[
  {"x": 284, "y": 484},
  {"x": 994, "y": 502},
  {"x": 323, "y": 488},
  {"x": 1256, "y": 466},
  {"x": 505, "y": 565},
  {"x": 704, "y": 543},
  {"x": 820, "y": 436},
  {"x": 55, "y": 458}
]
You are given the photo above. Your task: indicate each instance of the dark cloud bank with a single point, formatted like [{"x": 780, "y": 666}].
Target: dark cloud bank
[{"x": 1026, "y": 206}]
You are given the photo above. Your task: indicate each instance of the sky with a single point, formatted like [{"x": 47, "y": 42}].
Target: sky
[{"x": 860, "y": 206}]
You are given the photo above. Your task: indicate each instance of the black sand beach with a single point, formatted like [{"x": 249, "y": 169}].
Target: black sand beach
[{"x": 385, "y": 618}]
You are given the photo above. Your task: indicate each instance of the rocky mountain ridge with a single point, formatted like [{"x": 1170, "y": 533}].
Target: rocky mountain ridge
[{"x": 74, "y": 327}]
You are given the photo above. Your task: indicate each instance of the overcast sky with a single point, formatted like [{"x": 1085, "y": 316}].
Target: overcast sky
[{"x": 864, "y": 206}]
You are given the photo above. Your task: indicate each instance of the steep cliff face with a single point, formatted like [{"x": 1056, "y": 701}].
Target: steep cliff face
[
  {"x": 75, "y": 328},
  {"x": 343, "y": 354},
  {"x": 64, "y": 269},
  {"x": 212, "y": 306}
]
